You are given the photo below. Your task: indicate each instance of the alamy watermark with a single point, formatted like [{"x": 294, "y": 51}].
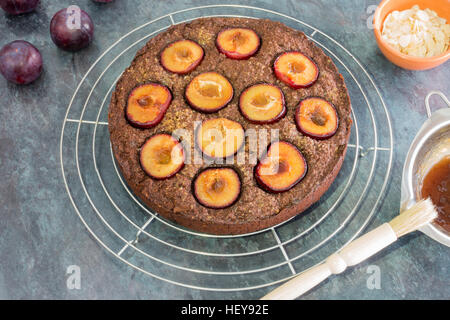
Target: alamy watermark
[
  {"x": 74, "y": 279},
  {"x": 374, "y": 280},
  {"x": 74, "y": 17},
  {"x": 225, "y": 141},
  {"x": 371, "y": 12}
]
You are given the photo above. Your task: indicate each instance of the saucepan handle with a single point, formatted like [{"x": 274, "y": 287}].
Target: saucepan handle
[{"x": 427, "y": 100}]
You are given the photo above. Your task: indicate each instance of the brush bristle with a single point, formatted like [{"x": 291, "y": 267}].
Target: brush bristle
[{"x": 410, "y": 220}]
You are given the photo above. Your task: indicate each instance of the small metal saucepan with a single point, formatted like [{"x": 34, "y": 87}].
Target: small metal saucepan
[{"x": 430, "y": 145}]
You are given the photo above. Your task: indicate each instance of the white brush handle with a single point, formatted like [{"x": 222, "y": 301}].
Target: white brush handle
[{"x": 352, "y": 254}]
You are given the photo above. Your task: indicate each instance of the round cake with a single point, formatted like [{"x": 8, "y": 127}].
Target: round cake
[{"x": 257, "y": 77}]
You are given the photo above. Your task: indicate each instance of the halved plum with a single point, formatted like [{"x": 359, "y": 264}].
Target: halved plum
[
  {"x": 281, "y": 168},
  {"x": 162, "y": 156},
  {"x": 217, "y": 187},
  {"x": 238, "y": 43},
  {"x": 209, "y": 92},
  {"x": 147, "y": 104},
  {"x": 316, "y": 118},
  {"x": 296, "y": 70},
  {"x": 219, "y": 137},
  {"x": 182, "y": 56},
  {"x": 262, "y": 103}
]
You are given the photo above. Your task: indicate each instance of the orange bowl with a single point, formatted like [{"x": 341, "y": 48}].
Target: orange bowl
[{"x": 441, "y": 7}]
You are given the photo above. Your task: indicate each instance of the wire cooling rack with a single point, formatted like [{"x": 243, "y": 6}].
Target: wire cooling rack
[{"x": 142, "y": 239}]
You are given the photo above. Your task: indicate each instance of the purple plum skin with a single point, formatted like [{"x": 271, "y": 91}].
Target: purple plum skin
[
  {"x": 20, "y": 62},
  {"x": 18, "y": 6},
  {"x": 71, "y": 38}
]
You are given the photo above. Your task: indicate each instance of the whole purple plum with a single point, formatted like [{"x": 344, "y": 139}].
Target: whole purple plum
[
  {"x": 20, "y": 62},
  {"x": 18, "y": 6},
  {"x": 71, "y": 29}
]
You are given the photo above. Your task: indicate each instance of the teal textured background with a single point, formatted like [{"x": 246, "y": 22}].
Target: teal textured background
[{"x": 40, "y": 233}]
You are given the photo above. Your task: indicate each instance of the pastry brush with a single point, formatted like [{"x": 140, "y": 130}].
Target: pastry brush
[{"x": 358, "y": 250}]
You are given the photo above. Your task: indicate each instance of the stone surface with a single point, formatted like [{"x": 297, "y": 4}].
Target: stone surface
[{"x": 41, "y": 234}]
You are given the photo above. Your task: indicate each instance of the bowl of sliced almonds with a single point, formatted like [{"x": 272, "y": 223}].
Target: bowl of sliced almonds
[{"x": 413, "y": 34}]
